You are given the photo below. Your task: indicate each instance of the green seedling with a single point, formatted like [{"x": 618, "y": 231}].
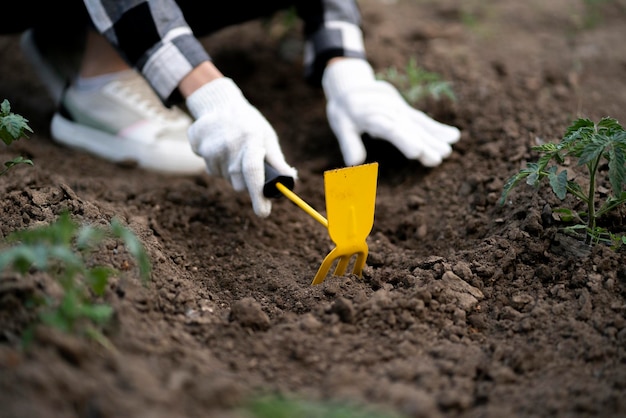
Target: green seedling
[
  {"x": 12, "y": 128},
  {"x": 415, "y": 83},
  {"x": 475, "y": 15},
  {"x": 289, "y": 18},
  {"x": 62, "y": 249},
  {"x": 281, "y": 23},
  {"x": 279, "y": 407},
  {"x": 593, "y": 13},
  {"x": 592, "y": 145}
]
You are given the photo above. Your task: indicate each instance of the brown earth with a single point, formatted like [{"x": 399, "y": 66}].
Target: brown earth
[{"x": 466, "y": 308}]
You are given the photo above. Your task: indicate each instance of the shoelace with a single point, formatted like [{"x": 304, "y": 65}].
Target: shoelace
[{"x": 138, "y": 91}]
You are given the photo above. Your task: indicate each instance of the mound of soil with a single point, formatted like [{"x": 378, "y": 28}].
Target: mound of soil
[{"x": 466, "y": 308}]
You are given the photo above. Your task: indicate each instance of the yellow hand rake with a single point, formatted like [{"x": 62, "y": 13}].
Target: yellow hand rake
[{"x": 350, "y": 204}]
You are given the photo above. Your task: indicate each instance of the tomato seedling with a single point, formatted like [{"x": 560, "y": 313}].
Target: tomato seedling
[
  {"x": 12, "y": 128},
  {"x": 415, "y": 83},
  {"x": 62, "y": 249},
  {"x": 592, "y": 144}
]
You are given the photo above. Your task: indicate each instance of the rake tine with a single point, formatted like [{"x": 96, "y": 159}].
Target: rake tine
[
  {"x": 344, "y": 259},
  {"x": 359, "y": 263},
  {"x": 322, "y": 272},
  {"x": 342, "y": 265}
]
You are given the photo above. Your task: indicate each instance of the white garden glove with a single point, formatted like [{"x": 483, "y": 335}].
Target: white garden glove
[
  {"x": 359, "y": 104},
  {"x": 235, "y": 140}
]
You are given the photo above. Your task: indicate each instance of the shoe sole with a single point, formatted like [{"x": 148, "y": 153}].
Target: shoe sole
[{"x": 120, "y": 150}]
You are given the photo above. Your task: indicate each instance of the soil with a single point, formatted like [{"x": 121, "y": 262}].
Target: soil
[{"x": 466, "y": 308}]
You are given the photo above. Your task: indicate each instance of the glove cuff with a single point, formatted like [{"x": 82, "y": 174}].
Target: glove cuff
[
  {"x": 346, "y": 74},
  {"x": 213, "y": 96}
]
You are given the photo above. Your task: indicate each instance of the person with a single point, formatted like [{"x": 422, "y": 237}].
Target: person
[{"x": 159, "y": 39}]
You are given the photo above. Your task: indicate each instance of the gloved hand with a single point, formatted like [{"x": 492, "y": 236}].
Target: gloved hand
[
  {"x": 235, "y": 139},
  {"x": 358, "y": 104}
]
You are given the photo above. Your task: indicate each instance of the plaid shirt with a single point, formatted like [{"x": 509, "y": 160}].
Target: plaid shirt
[{"x": 155, "y": 38}]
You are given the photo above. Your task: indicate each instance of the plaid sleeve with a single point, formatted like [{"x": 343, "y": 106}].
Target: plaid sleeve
[
  {"x": 153, "y": 36},
  {"x": 332, "y": 29}
]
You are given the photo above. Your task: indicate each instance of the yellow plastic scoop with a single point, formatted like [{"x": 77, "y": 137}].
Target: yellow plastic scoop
[{"x": 350, "y": 205}]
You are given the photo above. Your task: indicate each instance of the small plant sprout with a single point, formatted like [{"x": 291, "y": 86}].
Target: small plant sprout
[
  {"x": 62, "y": 250},
  {"x": 592, "y": 145},
  {"x": 415, "y": 83},
  {"x": 273, "y": 406},
  {"x": 592, "y": 13},
  {"x": 12, "y": 128}
]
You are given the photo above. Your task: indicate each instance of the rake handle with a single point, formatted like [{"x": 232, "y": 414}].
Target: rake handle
[{"x": 277, "y": 184}]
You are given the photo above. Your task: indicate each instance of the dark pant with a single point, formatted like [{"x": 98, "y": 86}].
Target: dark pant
[
  {"x": 54, "y": 16},
  {"x": 72, "y": 17}
]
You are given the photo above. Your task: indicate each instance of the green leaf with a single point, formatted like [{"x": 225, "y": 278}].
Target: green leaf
[
  {"x": 548, "y": 152},
  {"x": 71, "y": 303},
  {"x": 531, "y": 173},
  {"x": 6, "y": 137},
  {"x": 592, "y": 150},
  {"x": 619, "y": 140},
  {"x": 558, "y": 182},
  {"x": 415, "y": 83},
  {"x": 60, "y": 232},
  {"x": 575, "y": 188},
  {"x": 68, "y": 258},
  {"x": 577, "y": 127},
  {"x": 611, "y": 203},
  {"x": 13, "y": 127},
  {"x": 18, "y": 160},
  {"x": 98, "y": 278},
  {"x": 579, "y": 124},
  {"x": 510, "y": 183},
  {"x": 580, "y": 130},
  {"x": 5, "y": 108},
  {"x": 577, "y": 227},
  {"x": 567, "y": 215},
  {"x": 548, "y": 147},
  {"x": 279, "y": 407},
  {"x": 610, "y": 124},
  {"x": 533, "y": 179},
  {"x": 56, "y": 319},
  {"x": 135, "y": 248},
  {"x": 89, "y": 237},
  {"x": 617, "y": 169},
  {"x": 22, "y": 259},
  {"x": 100, "y": 314}
]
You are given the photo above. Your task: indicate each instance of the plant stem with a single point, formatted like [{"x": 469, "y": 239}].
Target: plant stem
[{"x": 591, "y": 204}]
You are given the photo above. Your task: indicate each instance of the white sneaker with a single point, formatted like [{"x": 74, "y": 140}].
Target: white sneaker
[{"x": 125, "y": 121}]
